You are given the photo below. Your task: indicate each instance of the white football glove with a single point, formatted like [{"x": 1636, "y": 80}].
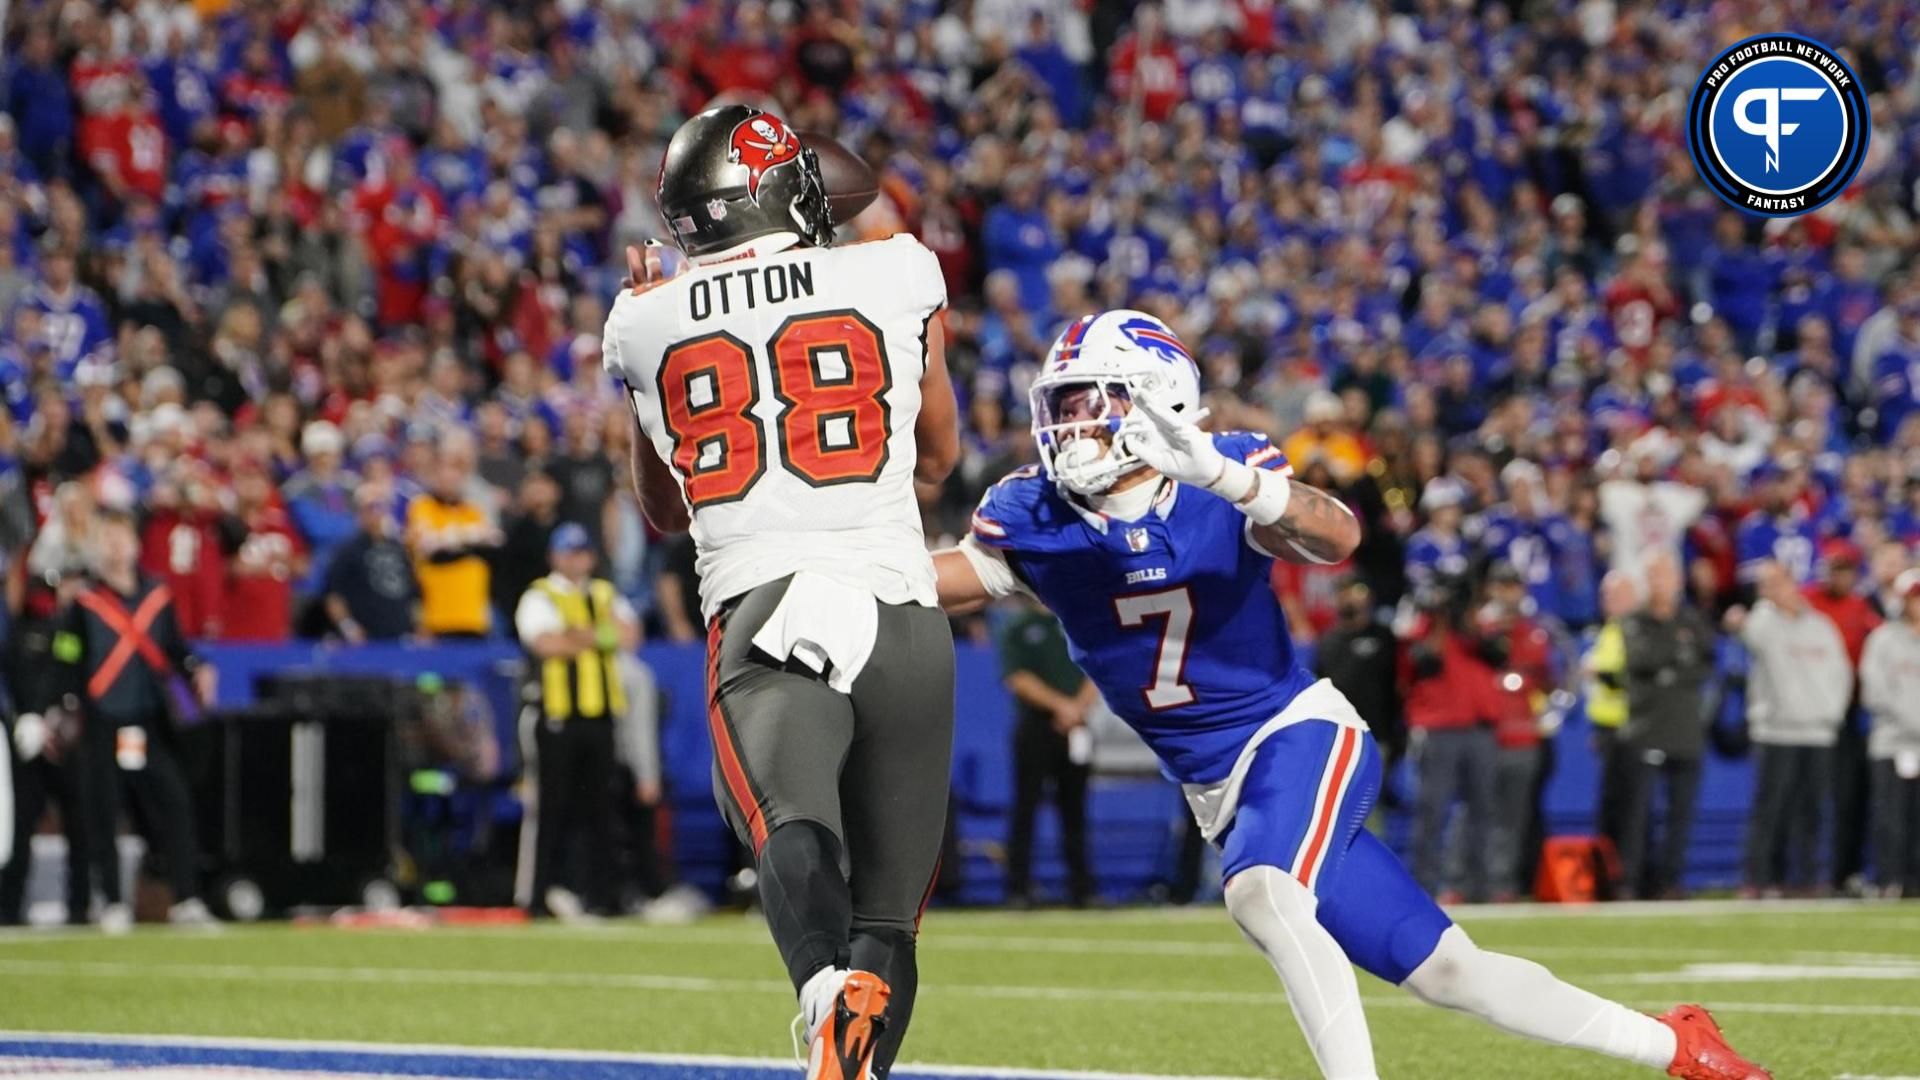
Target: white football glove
[
  {"x": 1176, "y": 447},
  {"x": 1172, "y": 444}
]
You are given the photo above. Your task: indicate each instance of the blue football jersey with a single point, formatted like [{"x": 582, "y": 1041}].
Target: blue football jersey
[
  {"x": 1171, "y": 616},
  {"x": 1788, "y": 539}
]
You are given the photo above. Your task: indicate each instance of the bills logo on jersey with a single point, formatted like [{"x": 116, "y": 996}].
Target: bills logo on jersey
[
  {"x": 761, "y": 143},
  {"x": 1154, "y": 338}
]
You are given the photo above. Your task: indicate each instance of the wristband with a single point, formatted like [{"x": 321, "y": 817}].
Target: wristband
[
  {"x": 1235, "y": 483},
  {"x": 1261, "y": 495}
]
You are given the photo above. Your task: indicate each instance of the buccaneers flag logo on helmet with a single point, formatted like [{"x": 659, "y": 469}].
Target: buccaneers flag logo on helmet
[{"x": 762, "y": 142}]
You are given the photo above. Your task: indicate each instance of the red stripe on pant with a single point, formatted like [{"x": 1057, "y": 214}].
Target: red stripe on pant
[
  {"x": 732, "y": 772},
  {"x": 1329, "y": 807},
  {"x": 927, "y": 896}
]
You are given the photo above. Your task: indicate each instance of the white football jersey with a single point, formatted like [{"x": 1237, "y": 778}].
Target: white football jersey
[{"x": 782, "y": 390}]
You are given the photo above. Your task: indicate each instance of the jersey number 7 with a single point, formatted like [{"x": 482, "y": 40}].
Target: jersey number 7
[
  {"x": 831, "y": 378},
  {"x": 1167, "y": 691}
]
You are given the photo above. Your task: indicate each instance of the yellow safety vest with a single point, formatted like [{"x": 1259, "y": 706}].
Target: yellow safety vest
[
  {"x": 1606, "y": 705},
  {"x": 587, "y": 685}
]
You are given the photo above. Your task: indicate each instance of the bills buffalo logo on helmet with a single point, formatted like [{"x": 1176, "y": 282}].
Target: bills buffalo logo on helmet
[{"x": 762, "y": 142}]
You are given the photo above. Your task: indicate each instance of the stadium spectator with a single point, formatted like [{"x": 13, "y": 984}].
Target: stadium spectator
[
  {"x": 1644, "y": 513},
  {"x": 185, "y": 544},
  {"x": 1438, "y": 551},
  {"x": 451, "y": 537},
  {"x": 582, "y": 469},
  {"x": 1604, "y": 665},
  {"x": 320, "y": 498},
  {"x": 372, "y": 593},
  {"x": 528, "y": 527},
  {"x": 1361, "y": 658},
  {"x": 1837, "y": 595},
  {"x": 1520, "y": 654},
  {"x": 1669, "y": 659},
  {"x": 1890, "y": 689},
  {"x": 1798, "y": 689},
  {"x": 1052, "y": 747},
  {"x": 267, "y": 561},
  {"x": 1448, "y": 694}
]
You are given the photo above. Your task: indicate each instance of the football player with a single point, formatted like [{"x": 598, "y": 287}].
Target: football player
[
  {"x": 789, "y": 395},
  {"x": 1152, "y": 541}
]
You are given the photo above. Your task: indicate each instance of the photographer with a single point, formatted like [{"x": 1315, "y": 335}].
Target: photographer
[
  {"x": 1519, "y": 652},
  {"x": 1358, "y": 655},
  {"x": 1447, "y": 692}
]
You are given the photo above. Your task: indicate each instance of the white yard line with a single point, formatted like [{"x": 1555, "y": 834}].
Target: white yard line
[
  {"x": 697, "y": 984},
  {"x": 935, "y": 942}
]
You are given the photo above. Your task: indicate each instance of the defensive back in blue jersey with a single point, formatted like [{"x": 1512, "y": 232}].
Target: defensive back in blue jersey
[{"x": 1173, "y": 616}]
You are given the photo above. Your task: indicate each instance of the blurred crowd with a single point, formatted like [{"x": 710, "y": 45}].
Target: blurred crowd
[{"x": 317, "y": 285}]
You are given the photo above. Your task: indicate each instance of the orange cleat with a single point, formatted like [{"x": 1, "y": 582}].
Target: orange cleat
[
  {"x": 1702, "y": 1052},
  {"x": 841, "y": 1046}
]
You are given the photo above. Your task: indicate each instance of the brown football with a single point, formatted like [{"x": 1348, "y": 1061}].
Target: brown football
[{"x": 851, "y": 186}]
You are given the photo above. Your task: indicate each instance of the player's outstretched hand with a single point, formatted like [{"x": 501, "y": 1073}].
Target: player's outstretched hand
[
  {"x": 646, "y": 267},
  {"x": 1172, "y": 444}
]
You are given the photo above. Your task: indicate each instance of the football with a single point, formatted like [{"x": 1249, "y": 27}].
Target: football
[{"x": 851, "y": 185}]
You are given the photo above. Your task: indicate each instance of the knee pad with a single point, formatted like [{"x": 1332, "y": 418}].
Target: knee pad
[
  {"x": 1264, "y": 900},
  {"x": 1445, "y": 977}
]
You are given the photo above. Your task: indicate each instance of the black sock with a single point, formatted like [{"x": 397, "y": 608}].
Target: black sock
[
  {"x": 890, "y": 955},
  {"x": 808, "y": 905}
]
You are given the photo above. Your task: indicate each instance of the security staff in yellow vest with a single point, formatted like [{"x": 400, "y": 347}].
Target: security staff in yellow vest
[
  {"x": 575, "y": 628},
  {"x": 1605, "y": 666}
]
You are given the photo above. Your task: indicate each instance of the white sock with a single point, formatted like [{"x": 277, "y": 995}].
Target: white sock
[
  {"x": 1524, "y": 998},
  {"x": 1276, "y": 913}
]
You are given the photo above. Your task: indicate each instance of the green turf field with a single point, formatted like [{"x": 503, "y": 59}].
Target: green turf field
[{"x": 1813, "y": 991}]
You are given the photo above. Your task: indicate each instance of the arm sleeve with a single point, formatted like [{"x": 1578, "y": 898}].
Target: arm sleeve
[
  {"x": 991, "y": 564},
  {"x": 926, "y": 285},
  {"x": 535, "y": 616}
]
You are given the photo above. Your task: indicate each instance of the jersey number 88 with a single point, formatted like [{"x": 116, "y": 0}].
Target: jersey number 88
[{"x": 830, "y": 376}]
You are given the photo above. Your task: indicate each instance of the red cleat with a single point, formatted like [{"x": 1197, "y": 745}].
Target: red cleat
[{"x": 1702, "y": 1052}]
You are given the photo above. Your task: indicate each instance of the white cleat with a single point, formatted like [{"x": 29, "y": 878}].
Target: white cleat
[
  {"x": 116, "y": 920},
  {"x": 192, "y": 915}
]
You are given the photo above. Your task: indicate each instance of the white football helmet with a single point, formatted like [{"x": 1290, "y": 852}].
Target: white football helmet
[{"x": 1123, "y": 356}]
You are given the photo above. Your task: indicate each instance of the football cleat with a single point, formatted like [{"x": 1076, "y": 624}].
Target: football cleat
[
  {"x": 841, "y": 1044},
  {"x": 1701, "y": 1051}
]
